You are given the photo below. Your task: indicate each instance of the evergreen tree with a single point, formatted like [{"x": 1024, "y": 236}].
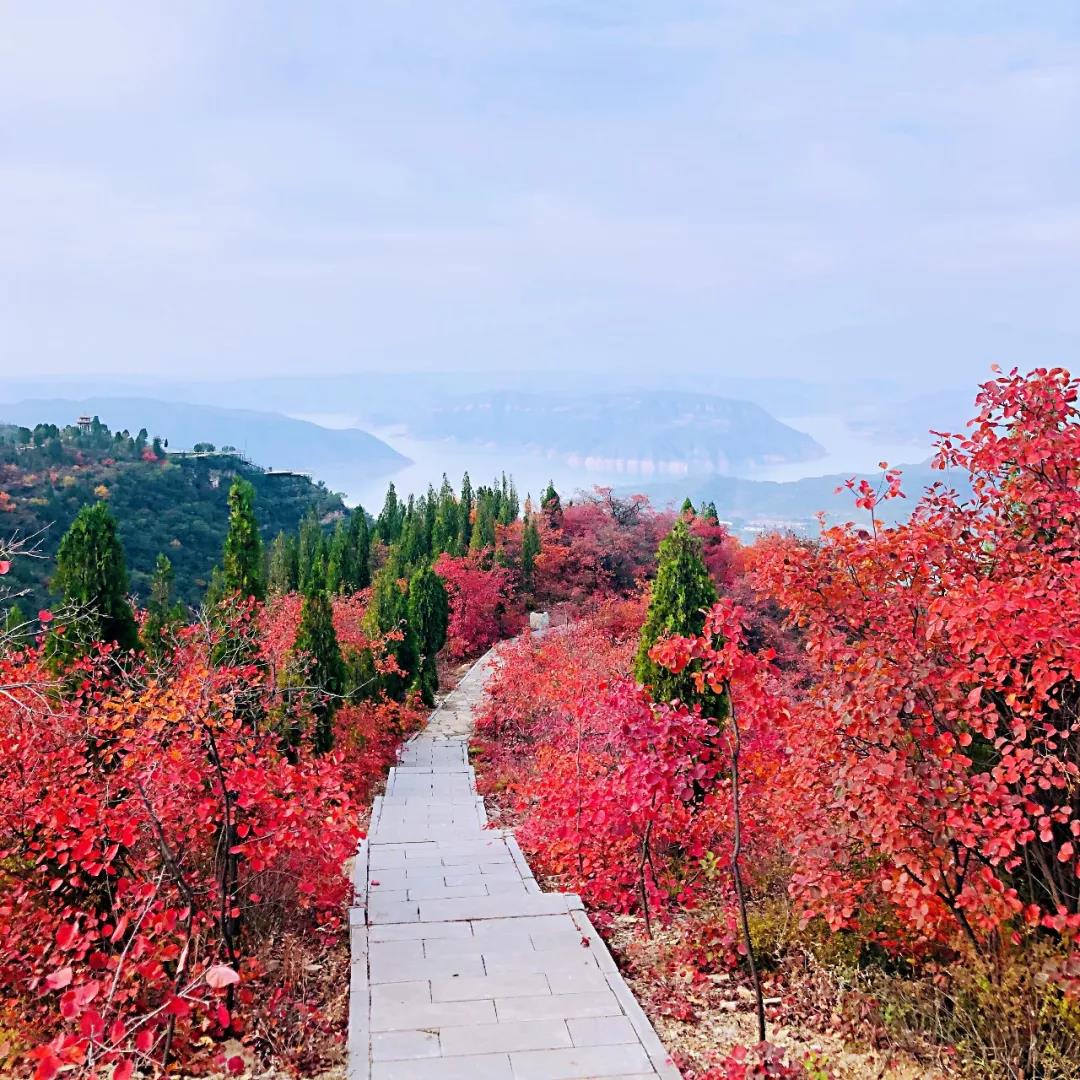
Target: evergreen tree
[
  {"x": 392, "y": 517},
  {"x": 283, "y": 575},
  {"x": 428, "y": 617},
  {"x": 337, "y": 558},
  {"x": 687, "y": 508},
  {"x": 16, "y": 630},
  {"x": 681, "y": 594},
  {"x": 389, "y": 613},
  {"x": 358, "y": 569},
  {"x": 242, "y": 560},
  {"x": 447, "y": 527},
  {"x": 92, "y": 578},
  {"x": 317, "y": 645},
  {"x": 709, "y": 514},
  {"x": 465, "y": 509},
  {"x": 530, "y": 548},
  {"x": 551, "y": 505},
  {"x": 310, "y": 548},
  {"x": 162, "y": 614}
]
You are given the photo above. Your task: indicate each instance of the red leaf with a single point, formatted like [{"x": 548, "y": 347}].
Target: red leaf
[
  {"x": 59, "y": 979},
  {"x": 220, "y": 976},
  {"x": 5, "y": 566}
]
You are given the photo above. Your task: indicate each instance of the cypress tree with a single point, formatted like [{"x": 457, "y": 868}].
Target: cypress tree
[
  {"x": 15, "y": 633},
  {"x": 317, "y": 644},
  {"x": 681, "y": 594},
  {"x": 465, "y": 508},
  {"x": 551, "y": 505},
  {"x": 391, "y": 518},
  {"x": 530, "y": 548},
  {"x": 311, "y": 547},
  {"x": 338, "y": 559},
  {"x": 162, "y": 615},
  {"x": 242, "y": 560},
  {"x": 92, "y": 578},
  {"x": 687, "y": 508},
  {"x": 359, "y": 562},
  {"x": 389, "y": 612},
  {"x": 283, "y": 573},
  {"x": 428, "y": 616}
]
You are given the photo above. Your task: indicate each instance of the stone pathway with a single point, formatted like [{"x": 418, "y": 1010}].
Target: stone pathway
[{"x": 462, "y": 968}]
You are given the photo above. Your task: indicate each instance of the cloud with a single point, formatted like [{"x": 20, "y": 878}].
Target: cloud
[{"x": 248, "y": 187}]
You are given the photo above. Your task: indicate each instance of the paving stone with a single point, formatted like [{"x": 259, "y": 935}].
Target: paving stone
[
  {"x": 413, "y": 931},
  {"x": 581, "y": 1062},
  {"x": 486, "y": 986},
  {"x": 421, "y": 1016},
  {"x": 503, "y": 1038},
  {"x": 392, "y": 970},
  {"x": 558, "y": 1006},
  {"x": 401, "y": 993},
  {"x": 601, "y": 1031},
  {"x": 399, "y": 1045},
  {"x": 474, "y": 1067}
]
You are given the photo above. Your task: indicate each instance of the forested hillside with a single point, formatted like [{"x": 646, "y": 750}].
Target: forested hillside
[{"x": 164, "y": 504}]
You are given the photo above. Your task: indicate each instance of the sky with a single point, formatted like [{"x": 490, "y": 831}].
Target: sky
[{"x": 825, "y": 188}]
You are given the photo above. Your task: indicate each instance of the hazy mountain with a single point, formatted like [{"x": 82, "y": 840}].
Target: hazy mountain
[
  {"x": 644, "y": 434},
  {"x": 752, "y": 506},
  {"x": 272, "y": 440}
]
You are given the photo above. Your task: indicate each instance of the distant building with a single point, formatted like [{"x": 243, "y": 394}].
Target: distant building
[{"x": 85, "y": 424}]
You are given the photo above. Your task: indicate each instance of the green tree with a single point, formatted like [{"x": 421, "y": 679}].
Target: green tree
[
  {"x": 392, "y": 517},
  {"x": 318, "y": 649},
  {"x": 428, "y": 616},
  {"x": 311, "y": 548},
  {"x": 530, "y": 548},
  {"x": 551, "y": 505},
  {"x": 242, "y": 561},
  {"x": 687, "y": 508},
  {"x": 681, "y": 594},
  {"x": 92, "y": 578},
  {"x": 389, "y": 614},
  {"x": 283, "y": 573},
  {"x": 357, "y": 572},
  {"x": 465, "y": 509},
  {"x": 16, "y": 630},
  {"x": 162, "y": 614}
]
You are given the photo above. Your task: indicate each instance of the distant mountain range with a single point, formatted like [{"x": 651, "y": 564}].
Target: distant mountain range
[
  {"x": 754, "y": 506},
  {"x": 638, "y": 434},
  {"x": 272, "y": 440}
]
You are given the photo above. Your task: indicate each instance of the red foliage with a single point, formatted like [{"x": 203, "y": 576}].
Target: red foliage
[
  {"x": 934, "y": 776},
  {"x": 480, "y": 611},
  {"x": 156, "y": 837}
]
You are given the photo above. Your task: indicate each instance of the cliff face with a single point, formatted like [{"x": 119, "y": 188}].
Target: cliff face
[{"x": 665, "y": 434}]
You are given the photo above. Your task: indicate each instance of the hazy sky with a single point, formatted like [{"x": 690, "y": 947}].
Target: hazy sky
[{"x": 827, "y": 187}]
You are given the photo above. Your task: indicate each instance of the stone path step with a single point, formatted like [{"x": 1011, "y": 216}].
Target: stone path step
[{"x": 462, "y": 967}]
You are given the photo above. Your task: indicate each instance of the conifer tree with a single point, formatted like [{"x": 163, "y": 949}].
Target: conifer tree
[
  {"x": 311, "y": 546},
  {"x": 465, "y": 509},
  {"x": 687, "y": 508},
  {"x": 283, "y": 574},
  {"x": 358, "y": 570},
  {"x": 709, "y": 514},
  {"x": 681, "y": 594},
  {"x": 15, "y": 633},
  {"x": 551, "y": 505},
  {"x": 391, "y": 518},
  {"x": 162, "y": 614},
  {"x": 428, "y": 618},
  {"x": 317, "y": 644},
  {"x": 92, "y": 578},
  {"x": 530, "y": 548},
  {"x": 389, "y": 613},
  {"x": 447, "y": 526},
  {"x": 337, "y": 559},
  {"x": 242, "y": 560}
]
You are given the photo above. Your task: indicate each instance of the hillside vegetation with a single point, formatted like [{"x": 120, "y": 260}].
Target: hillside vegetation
[{"x": 164, "y": 504}]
